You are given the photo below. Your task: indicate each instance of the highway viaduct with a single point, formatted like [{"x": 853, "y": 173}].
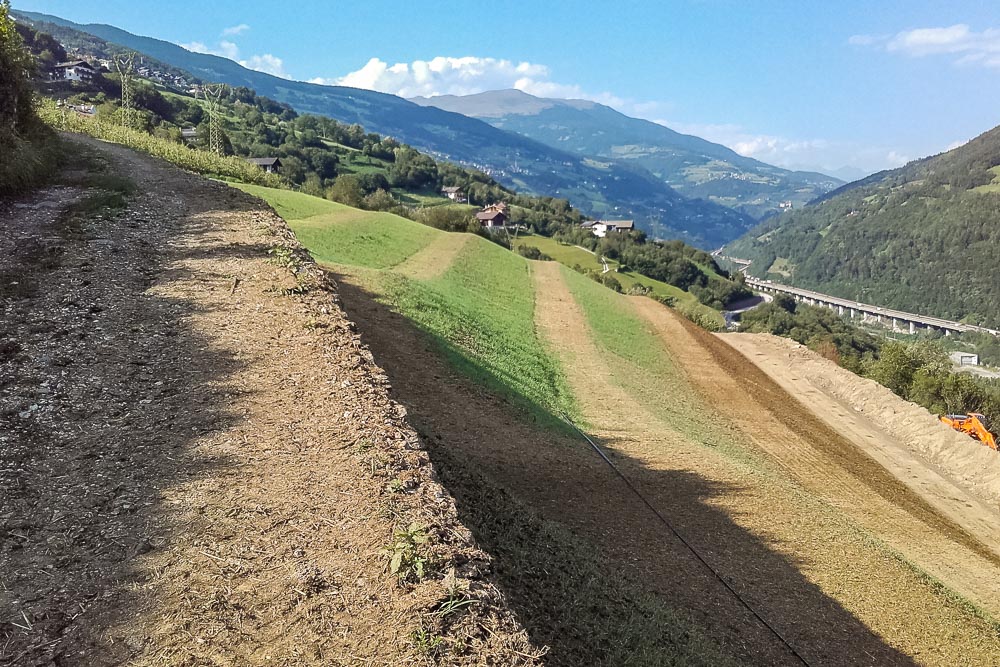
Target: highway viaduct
[{"x": 898, "y": 320}]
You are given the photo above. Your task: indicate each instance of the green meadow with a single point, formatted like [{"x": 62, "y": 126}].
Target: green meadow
[{"x": 479, "y": 312}]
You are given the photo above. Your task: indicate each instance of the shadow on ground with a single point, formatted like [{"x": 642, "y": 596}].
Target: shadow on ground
[
  {"x": 105, "y": 390},
  {"x": 588, "y": 568}
]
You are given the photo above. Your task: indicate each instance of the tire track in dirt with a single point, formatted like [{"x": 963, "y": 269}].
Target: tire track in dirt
[
  {"x": 435, "y": 258},
  {"x": 825, "y": 462}
]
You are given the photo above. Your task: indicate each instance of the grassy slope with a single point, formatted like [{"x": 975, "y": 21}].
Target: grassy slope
[
  {"x": 645, "y": 368},
  {"x": 480, "y": 311},
  {"x": 481, "y": 314},
  {"x": 573, "y": 255}
]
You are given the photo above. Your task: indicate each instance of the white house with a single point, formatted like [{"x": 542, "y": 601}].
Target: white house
[
  {"x": 74, "y": 70},
  {"x": 601, "y": 228},
  {"x": 454, "y": 194}
]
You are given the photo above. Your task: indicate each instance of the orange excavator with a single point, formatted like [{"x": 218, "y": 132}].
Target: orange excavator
[{"x": 974, "y": 425}]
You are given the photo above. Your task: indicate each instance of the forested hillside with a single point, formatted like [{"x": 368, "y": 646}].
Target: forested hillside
[
  {"x": 345, "y": 163},
  {"x": 691, "y": 165},
  {"x": 921, "y": 238},
  {"x": 604, "y": 188}
]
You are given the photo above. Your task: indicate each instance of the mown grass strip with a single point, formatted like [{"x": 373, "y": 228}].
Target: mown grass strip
[
  {"x": 338, "y": 234},
  {"x": 483, "y": 306},
  {"x": 645, "y": 368},
  {"x": 479, "y": 313}
]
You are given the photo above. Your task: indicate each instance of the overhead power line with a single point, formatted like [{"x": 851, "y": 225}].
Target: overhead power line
[{"x": 687, "y": 544}]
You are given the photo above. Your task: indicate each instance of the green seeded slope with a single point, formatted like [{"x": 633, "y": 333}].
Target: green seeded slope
[{"x": 480, "y": 311}]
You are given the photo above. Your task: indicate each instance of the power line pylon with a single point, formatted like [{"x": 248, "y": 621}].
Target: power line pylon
[
  {"x": 213, "y": 96},
  {"x": 125, "y": 64}
]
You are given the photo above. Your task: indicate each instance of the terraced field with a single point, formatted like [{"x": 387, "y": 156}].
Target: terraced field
[{"x": 841, "y": 562}]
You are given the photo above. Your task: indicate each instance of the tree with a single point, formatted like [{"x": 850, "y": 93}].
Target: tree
[
  {"x": 16, "y": 67},
  {"x": 346, "y": 190},
  {"x": 380, "y": 200}
]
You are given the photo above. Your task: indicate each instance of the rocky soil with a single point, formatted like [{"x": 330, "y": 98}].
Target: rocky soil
[{"x": 199, "y": 461}]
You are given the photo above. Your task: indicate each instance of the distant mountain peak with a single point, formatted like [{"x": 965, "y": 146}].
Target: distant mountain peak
[{"x": 491, "y": 103}]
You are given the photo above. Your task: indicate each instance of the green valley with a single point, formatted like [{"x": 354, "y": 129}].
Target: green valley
[{"x": 922, "y": 238}]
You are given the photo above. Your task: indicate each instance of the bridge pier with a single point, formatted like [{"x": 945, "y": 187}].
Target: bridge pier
[{"x": 913, "y": 328}]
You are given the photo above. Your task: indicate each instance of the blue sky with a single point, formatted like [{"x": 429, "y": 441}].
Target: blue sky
[{"x": 824, "y": 85}]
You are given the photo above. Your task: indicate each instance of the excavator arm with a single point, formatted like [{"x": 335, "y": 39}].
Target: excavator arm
[{"x": 973, "y": 425}]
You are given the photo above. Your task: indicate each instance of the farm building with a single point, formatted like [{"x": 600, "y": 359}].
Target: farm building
[
  {"x": 454, "y": 193},
  {"x": 269, "y": 164},
  {"x": 493, "y": 216},
  {"x": 602, "y": 227},
  {"x": 492, "y": 219}
]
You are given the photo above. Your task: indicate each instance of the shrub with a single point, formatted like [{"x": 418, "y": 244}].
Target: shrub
[
  {"x": 202, "y": 162},
  {"x": 531, "y": 252}
]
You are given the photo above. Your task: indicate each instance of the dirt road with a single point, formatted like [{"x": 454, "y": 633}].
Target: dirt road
[{"x": 199, "y": 462}]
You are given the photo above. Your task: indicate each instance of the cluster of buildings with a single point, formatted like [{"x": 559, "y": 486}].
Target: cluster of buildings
[
  {"x": 602, "y": 228},
  {"x": 497, "y": 216},
  {"x": 81, "y": 70}
]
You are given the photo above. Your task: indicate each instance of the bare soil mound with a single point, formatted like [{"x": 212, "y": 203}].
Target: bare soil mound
[
  {"x": 199, "y": 461},
  {"x": 905, "y": 435}
]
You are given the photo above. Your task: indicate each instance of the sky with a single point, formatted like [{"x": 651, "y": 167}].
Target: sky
[{"x": 818, "y": 85}]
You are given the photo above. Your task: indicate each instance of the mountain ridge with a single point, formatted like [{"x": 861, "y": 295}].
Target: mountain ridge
[
  {"x": 921, "y": 238},
  {"x": 693, "y": 166},
  {"x": 601, "y": 187}
]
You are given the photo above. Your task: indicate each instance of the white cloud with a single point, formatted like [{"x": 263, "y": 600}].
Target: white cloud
[
  {"x": 970, "y": 47},
  {"x": 265, "y": 62},
  {"x": 467, "y": 75},
  {"x": 768, "y": 148},
  {"x": 896, "y": 159},
  {"x": 224, "y": 49},
  {"x": 441, "y": 76},
  {"x": 235, "y": 30}
]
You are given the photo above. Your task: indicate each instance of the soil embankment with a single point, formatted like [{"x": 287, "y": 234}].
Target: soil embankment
[
  {"x": 199, "y": 460},
  {"x": 787, "y": 426},
  {"x": 945, "y": 466}
]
